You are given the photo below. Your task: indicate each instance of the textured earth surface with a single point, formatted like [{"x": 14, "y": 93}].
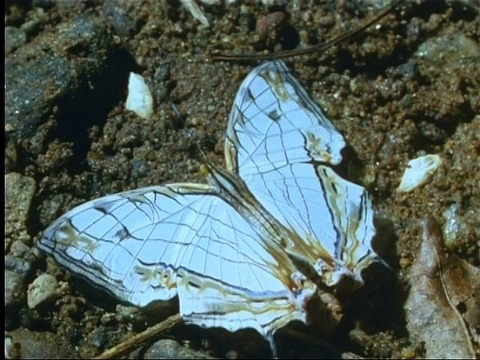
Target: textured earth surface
[{"x": 407, "y": 86}]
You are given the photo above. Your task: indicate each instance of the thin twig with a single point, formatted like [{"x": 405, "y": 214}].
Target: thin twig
[
  {"x": 128, "y": 345},
  {"x": 308, "y": 50}
]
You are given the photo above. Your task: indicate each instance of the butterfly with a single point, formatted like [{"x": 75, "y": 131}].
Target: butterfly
[{"x": 230, "y": 249}]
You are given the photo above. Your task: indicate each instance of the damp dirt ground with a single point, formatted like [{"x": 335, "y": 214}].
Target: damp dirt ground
[{"x": 405, "y": 87}]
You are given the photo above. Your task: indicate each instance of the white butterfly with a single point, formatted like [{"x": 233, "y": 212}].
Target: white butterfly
[{"x": 229, "y": 249}]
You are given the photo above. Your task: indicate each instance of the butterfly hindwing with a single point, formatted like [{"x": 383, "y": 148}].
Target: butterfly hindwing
[{"x": 151, "y": 244}]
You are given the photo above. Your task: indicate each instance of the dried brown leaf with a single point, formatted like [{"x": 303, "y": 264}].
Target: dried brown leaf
[{"x": 442, "y": 308}]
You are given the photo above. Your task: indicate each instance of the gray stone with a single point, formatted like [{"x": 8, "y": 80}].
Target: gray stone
[
  {"x": 44, "y": 76},
  {"x": 42, "y": 290},
  {"x": 14, "y": 38},
  {"x": 14, "y": 290},
  {"x": 22, "y": 267},
  {"x": 19, "y": 191},
  {"x": 26, "y": 344},
  {"x": 19, "y": 249},
  {"x": 170, "y": 349},
  {"x": 117, "y": 14}
]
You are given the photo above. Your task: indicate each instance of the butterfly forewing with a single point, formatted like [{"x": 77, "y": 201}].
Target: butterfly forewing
[
  {"x": 280, "y": 143},
  {"x": 274, "y": 122}
]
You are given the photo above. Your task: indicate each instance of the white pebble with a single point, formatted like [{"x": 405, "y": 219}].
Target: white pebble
[
  {"x": 139, "y": 99},
  {"x": 195, "y": 11},
  {"x": 418, "y": 172}
]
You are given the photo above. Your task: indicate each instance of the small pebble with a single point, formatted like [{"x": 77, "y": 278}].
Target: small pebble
[
  {"x": 167, "y": 348},
  {"x": 271, "y": 21},
  {"x": 14, "y": 38},
  {"x": 139, "y": 99},
  {"x": 418, "y": 172},
  {"x": 41, "y": 291},
  {"x": 14, "y": 290},
  {"x": 22, "y": 267}
]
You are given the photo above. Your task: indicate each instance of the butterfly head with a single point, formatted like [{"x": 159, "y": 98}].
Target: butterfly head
[
  {"x": 303, "y": 291},
  {"x": 347, "y": 277}
]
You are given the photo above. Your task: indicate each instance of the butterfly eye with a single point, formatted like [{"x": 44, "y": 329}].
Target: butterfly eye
[{"x": 299, "y": 279}]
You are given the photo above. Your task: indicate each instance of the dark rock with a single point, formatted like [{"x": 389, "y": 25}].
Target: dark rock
[
  {"x": 22, "y": 267},
  {"x": 170, "y": 349},
  {"x": 15, "y": 294},
  {"x": 14, "y": 38},
  {"x": 63, "y": 73},
  {"x": 40, "y": 345},
  {"x": 117, "y": 15}
]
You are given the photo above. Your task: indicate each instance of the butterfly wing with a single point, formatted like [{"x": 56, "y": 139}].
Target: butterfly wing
[
  {"x": 274, "y": 122},
  {"x": 154, "y": 243},
  {"x": 281, "y": 144}
]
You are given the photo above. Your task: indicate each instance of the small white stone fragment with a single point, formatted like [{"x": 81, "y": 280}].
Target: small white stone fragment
[
  {"x": 418, "y": 172},
  {"x": 139, "y": 99},
  {"x": 195, "y": 11}
]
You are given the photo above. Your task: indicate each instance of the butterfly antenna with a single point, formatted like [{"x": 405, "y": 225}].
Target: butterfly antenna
[{"x": 207, "y": 168}]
